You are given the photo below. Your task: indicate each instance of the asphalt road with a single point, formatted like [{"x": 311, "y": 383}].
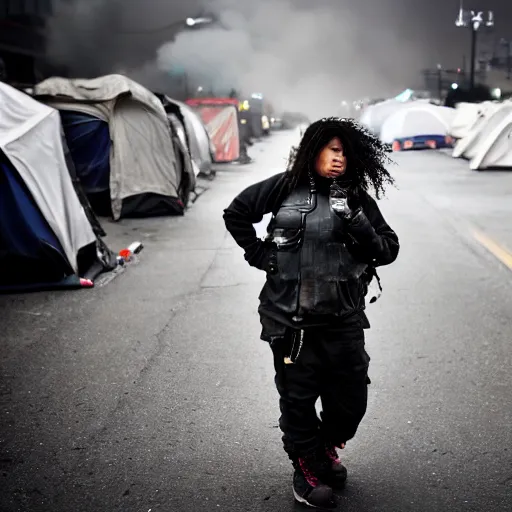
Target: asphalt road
[{"x": 153, "y": 393}]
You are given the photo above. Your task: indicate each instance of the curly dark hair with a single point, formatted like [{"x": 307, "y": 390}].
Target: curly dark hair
[{"x": 366, "y": 154}]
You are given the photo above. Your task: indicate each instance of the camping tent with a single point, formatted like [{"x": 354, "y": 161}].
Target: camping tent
[
  {"x": 119, "y": 136},
  {"x": 488, "y": 144},
  {"x": 197, "y": 138},
  {"x": 495, "y": 149},
  {"x": 47, "y": 236},
  {"x": 489, "y": 118},
  {"x": 466, "y": 116},
  {"x": 419, "y": 126},
  {"x": 375, "y": 115}
]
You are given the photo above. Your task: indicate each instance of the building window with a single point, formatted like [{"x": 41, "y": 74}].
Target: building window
[{"x": 39, "y": 8}]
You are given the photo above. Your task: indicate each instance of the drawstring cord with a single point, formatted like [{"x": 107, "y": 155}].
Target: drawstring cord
[{"x": 292, "y": 359}]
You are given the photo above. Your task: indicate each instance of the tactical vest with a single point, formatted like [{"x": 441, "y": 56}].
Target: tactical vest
[{"x": 317, "y": 275}]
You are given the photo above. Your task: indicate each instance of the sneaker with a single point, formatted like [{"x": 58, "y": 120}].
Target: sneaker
[
  {"x": 336, "y": 474},
  {"x": 308, "y": 489}
]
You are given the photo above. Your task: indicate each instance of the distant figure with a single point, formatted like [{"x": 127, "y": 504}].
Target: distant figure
[
  {"x": 3, "y": 71},
  {"x": 325, "y": 239}
]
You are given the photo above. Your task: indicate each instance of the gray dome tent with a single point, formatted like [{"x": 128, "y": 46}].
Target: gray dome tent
[{"x": 137, "y": 169}]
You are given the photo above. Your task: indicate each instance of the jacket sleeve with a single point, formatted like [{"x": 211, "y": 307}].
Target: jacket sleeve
[
  {"x": 248, "y": 208},
  {"x": 374, "y": 241}
]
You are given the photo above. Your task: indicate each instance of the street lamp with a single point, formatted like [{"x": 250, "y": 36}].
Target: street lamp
[
  {"x": 189, "y": 22},
  {"x": 473, "y": 20},
  {"x": 192, "y": 22}
]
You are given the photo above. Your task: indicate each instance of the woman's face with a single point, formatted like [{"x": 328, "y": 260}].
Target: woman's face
[{"x": 331, "y": 162}]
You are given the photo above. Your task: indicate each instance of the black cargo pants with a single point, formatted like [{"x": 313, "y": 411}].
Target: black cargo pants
[{"x": 333, "y": 366}]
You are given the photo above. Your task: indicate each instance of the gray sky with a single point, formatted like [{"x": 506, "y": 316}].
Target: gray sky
[{"x": 299, "y": 52}]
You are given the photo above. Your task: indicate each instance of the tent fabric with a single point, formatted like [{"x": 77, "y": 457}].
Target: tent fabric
[
  {"x": 29, "y": 249},
  {"x": 142, "y": 159},
  {"x": 495, "y": 149},
  {"x": 198, "y": 140},
  {"x": 466, "y": 115},
  {"x": 417, "y": 121},
  {"x": 491, "y": 117},
  {"x": 184, "y": 164},
  {"x": 374, "y": 116},
  {"x": 30, "y": 137},
  {"x": 88, "y": 139}
]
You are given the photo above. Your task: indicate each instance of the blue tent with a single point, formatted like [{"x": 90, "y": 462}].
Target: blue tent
[
  {"x": 29, "y": 249},
  {"x": 49, "y": 237},
  {"x": 89, "y": 142}
]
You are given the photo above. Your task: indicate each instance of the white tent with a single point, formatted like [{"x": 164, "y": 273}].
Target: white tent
[
  {"x": 417, "y": 120},
  {"x": 142, "y": 160},
  {"x": 466, "y": 116},
  {"x": 495, "y": 147},
  {"x": 31, "y": 139},
  {"x": 376, "y": 115},
  {"x": 490, "y": 118}
]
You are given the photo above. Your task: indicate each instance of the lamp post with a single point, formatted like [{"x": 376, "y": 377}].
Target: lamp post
[{"x": 473, "y": 20}]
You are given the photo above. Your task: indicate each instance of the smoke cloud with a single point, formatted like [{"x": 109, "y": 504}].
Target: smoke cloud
[{"x": 302, "y": 55}]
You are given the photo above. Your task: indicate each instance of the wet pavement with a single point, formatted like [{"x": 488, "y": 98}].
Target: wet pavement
[{"x": 154, "y": 393}]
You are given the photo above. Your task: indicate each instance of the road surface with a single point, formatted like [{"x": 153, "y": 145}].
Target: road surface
[{"x": 153, "y": 392}]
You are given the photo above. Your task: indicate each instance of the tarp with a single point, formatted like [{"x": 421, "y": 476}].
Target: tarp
[
  {"x": 416, "y": 121},
  {"x": 490, "y": 117},
  {"x": 142, "y": 160},
  {"x": 220, "y": 116},
  {"x": 30, "y": 139}
]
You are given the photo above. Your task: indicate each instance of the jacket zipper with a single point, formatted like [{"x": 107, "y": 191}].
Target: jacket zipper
[
  {"x": 297, "y": 318},
  {"x": 312, "y": 204}
]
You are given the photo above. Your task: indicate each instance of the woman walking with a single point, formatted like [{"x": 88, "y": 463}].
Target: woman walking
[{"x": 326, "y": 237}]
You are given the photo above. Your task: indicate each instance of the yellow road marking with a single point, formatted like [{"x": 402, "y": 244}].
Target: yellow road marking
[{"x": 496, "y": 250}]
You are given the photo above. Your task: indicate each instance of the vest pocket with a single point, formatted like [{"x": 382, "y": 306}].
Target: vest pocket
[
  {"x": 349, "y": 295},
  {"x": 282, "y": 288}
]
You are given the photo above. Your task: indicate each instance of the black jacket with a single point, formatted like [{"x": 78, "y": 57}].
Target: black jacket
[{"x": 315, "y": 261}]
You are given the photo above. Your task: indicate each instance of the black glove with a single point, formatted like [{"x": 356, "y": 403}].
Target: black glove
[{"x": 344, "y": 202}]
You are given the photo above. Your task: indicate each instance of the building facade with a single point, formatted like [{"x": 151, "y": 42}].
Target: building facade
[{"x": 22, "y": 39}]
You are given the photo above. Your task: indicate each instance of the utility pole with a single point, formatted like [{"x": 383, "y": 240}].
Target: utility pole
[
  {"x": 473, "y": 20},
  {"x": 509, "y": 58},
  {"x": 473, "y": 58},
  {"x": 440, "y": 81},
  {"x": 508, "y": 44}
]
